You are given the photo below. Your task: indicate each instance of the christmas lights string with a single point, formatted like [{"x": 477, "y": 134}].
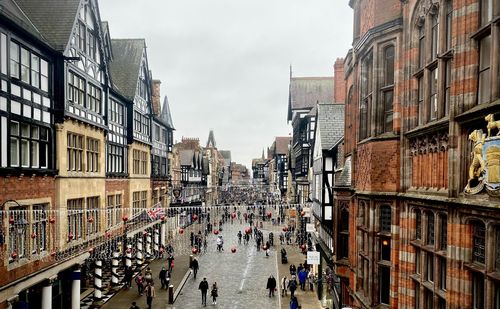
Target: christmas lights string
[{"x": 40, "y": 235}]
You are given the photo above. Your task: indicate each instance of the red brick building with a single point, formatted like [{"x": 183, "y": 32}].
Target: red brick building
[{"x": 424, "y": 229}]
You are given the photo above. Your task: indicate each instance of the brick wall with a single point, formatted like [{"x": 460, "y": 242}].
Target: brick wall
[
  {"x": 377, "y": 166},
  {"x": 25, "y": 190},
  {"x": 339, "y": 81}
]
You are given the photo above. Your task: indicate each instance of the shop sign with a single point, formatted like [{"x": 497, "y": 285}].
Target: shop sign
[{"x": 313, "y": 257}]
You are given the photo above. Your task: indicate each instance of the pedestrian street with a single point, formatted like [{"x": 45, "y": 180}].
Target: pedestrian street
[{"x": 241, "y": 276}]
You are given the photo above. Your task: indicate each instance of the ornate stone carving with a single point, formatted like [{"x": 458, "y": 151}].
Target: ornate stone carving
[
  {"x": 477, "y": 166},
  {"x": 433, "y": 142}
]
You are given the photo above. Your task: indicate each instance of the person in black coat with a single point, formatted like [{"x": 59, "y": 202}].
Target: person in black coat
[
  {"x": 271, "y": 285},
  {"x": 129, "y": 273},
  {"x": 203, "y": 287},
  {"x": 194, "y": 267}
]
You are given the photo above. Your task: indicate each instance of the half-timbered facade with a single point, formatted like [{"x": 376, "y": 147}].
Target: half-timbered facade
[
  {"x": 131, "y": 77},
  {"x": 327, "y": 135},
  {"x": 304, "y": 93},
  {"x": 27, "y": 153},
  {"x": 162, "y": 140}
]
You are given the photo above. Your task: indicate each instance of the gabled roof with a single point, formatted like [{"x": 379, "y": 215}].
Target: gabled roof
[
  {"x": 282, "y": 143},
  {"x": 127, "y": 56},
  {"x": 305, "y": 92},
  {"x": 330, "y": 122},
  {"x": 54, "y": 19},
  {"x": 166, "y": 115}
]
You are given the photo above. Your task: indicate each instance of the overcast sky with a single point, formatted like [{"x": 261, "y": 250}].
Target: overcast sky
[{"x": 224, "y": 64}]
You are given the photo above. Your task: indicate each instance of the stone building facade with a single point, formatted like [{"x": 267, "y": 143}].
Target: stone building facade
[{"x": 424, "y": 230}]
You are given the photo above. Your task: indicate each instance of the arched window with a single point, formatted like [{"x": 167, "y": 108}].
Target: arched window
[
  {"x": 344, "y": 234},
  {"x": 366, "y": 97},
  {"x": 434, "y": 35},
  {"x": 388, "y": 88}
]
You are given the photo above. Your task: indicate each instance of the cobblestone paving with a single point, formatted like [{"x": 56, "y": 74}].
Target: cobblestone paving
[{"x": 241, "y": 277}]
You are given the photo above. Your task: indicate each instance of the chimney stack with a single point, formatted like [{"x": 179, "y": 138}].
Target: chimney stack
[
  {"x": 156, "y": 97},
  {"x": 339, "y": 86}
]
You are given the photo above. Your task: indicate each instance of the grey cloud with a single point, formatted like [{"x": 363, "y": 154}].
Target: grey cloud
[{"x": 224, "y": 64}]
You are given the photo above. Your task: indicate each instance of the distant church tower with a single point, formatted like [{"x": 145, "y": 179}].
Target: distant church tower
[{"x": 211, "y": 140}]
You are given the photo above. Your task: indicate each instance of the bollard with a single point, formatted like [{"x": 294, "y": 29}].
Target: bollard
[{"x": 171, "y": 294}]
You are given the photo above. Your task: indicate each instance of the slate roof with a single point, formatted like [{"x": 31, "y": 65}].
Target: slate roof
[
  {"x": 11, "y": 10},
  {"x": 344, "y": 179},
  {"x": 330, "y": 123},
  {"x": 305, "y": 92},
  {"x": 166, "y": 115},
  {"x": 282, "y": 143},
  {"x": 127, "y": 56},
  {"x": 54, "y": 19}
]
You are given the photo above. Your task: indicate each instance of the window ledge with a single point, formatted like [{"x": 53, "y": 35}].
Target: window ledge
[
  {"x": 416, "y": 242},
  {"x": 474, "y": 266},
  {"x": 384, "y": 263},
  {"x": 28, "y": 172},
  {"x": 381, "y": 137},
  {"x": 428, "y": 284},
  {"x": 415, "y": 277},
  {"x": 482, "y": 31},
  {"x": 428, "y": 127},
  {"x": 478, "y": 111}
]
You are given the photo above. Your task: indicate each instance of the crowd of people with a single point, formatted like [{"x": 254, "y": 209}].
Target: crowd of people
[{"x": 254, "y": 216}]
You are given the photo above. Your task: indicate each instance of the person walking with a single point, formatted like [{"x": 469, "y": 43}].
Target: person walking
[
  {"x": 203, "y": 287},
  {"x": 214, "y": 293},
  {"x": 139, "y": 280},
  {"x": 292, "y": 286},
  {"x": 148, "y": 275},
  {"x": 294, "y": 303},
  {"x": 194, "y": 267},
  {"x": 129, "y": 273},
  {"x": 163, "y": 278},
  {"x": 271, "y": 285},
  {"x": 302, "y": 279},
  {"x": 293, "y": 270},
  {"x": 170, "y": 261},
  {"x": 150, "y": 294},
  {"x": 239, "y": 237},
  {"x": 311, "y": 280},
  {"x": 284, "y": 283}
]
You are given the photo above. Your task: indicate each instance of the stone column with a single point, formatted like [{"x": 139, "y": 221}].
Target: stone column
[
  {"x": 98, "y": 280},
  {"x": 156, "y": 241},
  {"x": 139, "y": 255},
  {"x": 114, "y": 268},
  {"x": 47, "y": 295},
  {"x": 75, "y": 289},
  {"x": 148, "y": 246},
  {"x": 163, "y": 231},
  {"x": 128, "y": 256}
]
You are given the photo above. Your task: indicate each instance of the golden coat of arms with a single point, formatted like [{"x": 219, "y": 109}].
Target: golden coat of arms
[{"x": 484, "y": 169}]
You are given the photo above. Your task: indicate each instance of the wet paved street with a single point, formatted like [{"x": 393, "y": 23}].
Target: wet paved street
[{"x": 241, "y": 277}]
